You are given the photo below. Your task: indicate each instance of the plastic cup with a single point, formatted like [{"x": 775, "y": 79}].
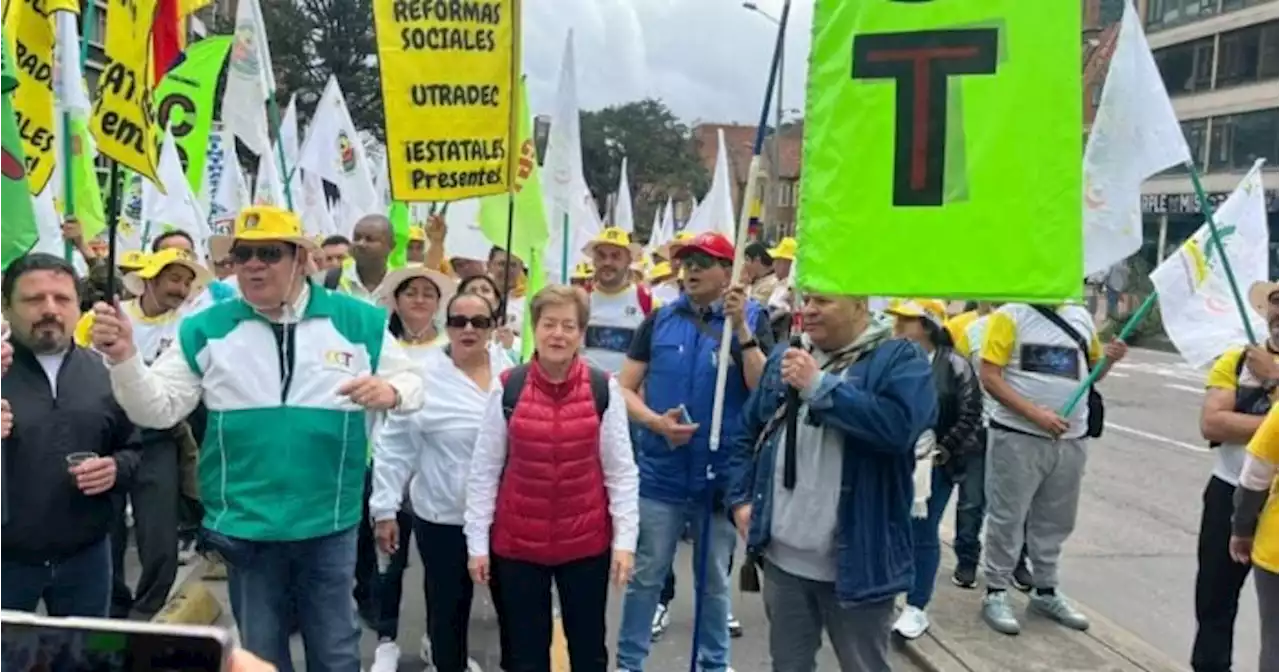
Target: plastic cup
[{"x": 76, "y": 459}]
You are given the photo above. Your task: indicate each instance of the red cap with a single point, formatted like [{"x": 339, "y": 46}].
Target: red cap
[{"x": 711, "y": 244}]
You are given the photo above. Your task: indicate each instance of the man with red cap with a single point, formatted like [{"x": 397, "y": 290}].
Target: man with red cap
[{"x": 669, "y": 380}]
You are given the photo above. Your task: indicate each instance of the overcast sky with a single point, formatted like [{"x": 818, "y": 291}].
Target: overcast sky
[{"x": 707, "y": 59}]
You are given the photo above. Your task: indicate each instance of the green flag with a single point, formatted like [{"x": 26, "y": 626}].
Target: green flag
[
  {"x": 946, "y": 161},
  {"x": 87, "y": 196},
  {"x": 184, "y": 102},
  {"x": 530, "y": 223},
  {"x": 17, "y": 215},
  {"x": 398, "y": 213}
]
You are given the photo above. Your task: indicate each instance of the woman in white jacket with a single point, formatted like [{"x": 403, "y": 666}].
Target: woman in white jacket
[{"x": 433, "y": 448}]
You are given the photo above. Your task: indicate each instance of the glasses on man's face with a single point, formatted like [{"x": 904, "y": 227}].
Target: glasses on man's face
[
  {"x": 267, "y": 254},
  {"x": 698, "y": 261},
  {"x": 461, "y": 321}
]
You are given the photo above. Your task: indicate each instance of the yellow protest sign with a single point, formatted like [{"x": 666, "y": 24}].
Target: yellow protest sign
[
  {"x": 450, "y": 78},
  {"x": 124, "y": 113},
  {"x": 29, "y": 27}
]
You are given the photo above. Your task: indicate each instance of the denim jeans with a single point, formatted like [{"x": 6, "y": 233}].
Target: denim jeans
[
  {"x": 926, "y": 550},
  {"x": 661, "y": 525},
  {"x": 971, "y": 506},
  {"x": 311, "y": 578},
  {"x": 77, "y": 586}
]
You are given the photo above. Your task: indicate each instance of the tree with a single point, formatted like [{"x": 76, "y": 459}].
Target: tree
[{"x": 662, "y": 156}]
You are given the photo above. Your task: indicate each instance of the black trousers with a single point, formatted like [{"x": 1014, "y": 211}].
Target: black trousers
[
  {"x": 366, "y": 587},
  {"x": 525, "y": 597},
  {"x": 449, "y": 589},
  {"x": 1218, "y": 582},
  {"x": 154, "y": 494}
]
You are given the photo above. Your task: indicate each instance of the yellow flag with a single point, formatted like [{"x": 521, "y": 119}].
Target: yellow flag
[
  {"x": 124, "y": 118},
  {"x": 189, "y": 7},
  {"x": 29, "y": 28}
]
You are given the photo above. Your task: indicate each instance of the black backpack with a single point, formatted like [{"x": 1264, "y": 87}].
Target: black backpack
[{"x": 514, "y": 385}]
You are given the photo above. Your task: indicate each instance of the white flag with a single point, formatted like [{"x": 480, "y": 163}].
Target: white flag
[
  {"x": 463, "y": 237},
  {"x": 1199, "y": 310},
  {"x": 177, "y": 208},
  {"x": 622, "y": 216},
  {"x": 250, "y": 80},
  {"x": 289, "y": 134},
  {"x": 316, "y": 217},
  {"x": 1135, "y": 135},
  {"x": 231, "y": 194},
  {"x": 268, "y": 189},
  {"x": 334, "y": 152},
  {"x": 715, "y": 214},
  {"x": 570, "y": 209},
  {"x": 664, "y": 228}
]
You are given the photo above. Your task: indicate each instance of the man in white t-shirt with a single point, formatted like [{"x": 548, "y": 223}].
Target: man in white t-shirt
[
  {"x": 617, "y": 305},
  {"x": 162, "y": 287}
]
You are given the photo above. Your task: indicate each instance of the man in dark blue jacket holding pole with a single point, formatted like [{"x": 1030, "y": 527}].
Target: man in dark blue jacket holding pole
[{"x": 829, "y": 514}]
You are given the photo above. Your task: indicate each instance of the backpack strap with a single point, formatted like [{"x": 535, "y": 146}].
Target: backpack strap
[
  {"x": 599, "y": 389},
  {"x": 1053, "y": 316},
  {"x": 512, "y": 385},
  {"x": 645, "y": 298}
]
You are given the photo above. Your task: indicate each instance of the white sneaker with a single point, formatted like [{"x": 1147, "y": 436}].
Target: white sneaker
[
  {"x": 386, "y": 658},
  {"x": 911, "y": 623},
  {"x": 473, "y": 666}
]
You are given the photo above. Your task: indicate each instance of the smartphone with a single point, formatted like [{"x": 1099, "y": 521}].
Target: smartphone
[
  {"x": 685, "y": 419},
  {"x": 30, "y": 642}
]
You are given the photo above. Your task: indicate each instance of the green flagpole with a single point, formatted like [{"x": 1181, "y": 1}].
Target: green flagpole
[
  {"x": 1102, "y": 364},
  {"x": 564, "y": 244},
  {"x": 1216, "y": 239},
  {"x": 273, "y": 119}
]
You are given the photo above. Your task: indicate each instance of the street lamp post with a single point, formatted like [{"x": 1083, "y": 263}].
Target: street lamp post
[{"x": 775, "y": 151}]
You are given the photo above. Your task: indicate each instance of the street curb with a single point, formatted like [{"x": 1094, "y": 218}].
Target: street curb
[
  {"x": 191, "y": 603},
  {"x": 929, "y": 654}
]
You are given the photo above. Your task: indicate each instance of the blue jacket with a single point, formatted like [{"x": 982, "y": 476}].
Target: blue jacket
[
  {"x": 881, "y": 405},
  {"x": 682, "y": 370}
]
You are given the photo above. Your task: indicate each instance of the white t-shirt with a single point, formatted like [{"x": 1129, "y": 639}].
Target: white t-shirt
[
  {"x": 151, "y": 335},
  {"x": 614, "y": 321}
]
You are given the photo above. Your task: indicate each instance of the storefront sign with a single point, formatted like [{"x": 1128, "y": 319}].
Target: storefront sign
[{"x": 1188, "y": 204}]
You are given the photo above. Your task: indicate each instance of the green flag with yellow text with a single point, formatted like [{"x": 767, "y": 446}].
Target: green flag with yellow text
[
  {"x": 946, "y": 162},
  {"x": 19, "y": 232}
]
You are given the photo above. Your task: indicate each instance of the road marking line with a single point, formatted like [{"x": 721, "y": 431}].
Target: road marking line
[
  {"x": 559, "y": 648},
  {"x": 1117, "y": 374},
  {"x": 1157, "y": 437},
  {"x": 1185, "y": 388}
]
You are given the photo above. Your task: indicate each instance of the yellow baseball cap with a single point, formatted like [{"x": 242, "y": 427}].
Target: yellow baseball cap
[
  {"x": 612, "y": 235},
  {"x": 132, "y": 260},
  {"x": 659, "y": 271},
  {"x": 930, "y": 309},
  {"x": 678, "y": 241},
  {"x": 263, "y": 223},
  {"x": 785, "y": 249},
  {"x": 136, "y": 281},
  {"x": 583, "y": 271},
  {"x": 417, "y": 233}
]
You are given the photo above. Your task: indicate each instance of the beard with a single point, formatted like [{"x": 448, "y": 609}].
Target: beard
[{"x": 47, "y": 337}]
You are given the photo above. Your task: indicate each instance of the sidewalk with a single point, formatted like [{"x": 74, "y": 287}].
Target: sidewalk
[{"x": 959, "y": 641}]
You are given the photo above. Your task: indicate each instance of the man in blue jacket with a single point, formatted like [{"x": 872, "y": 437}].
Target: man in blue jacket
[
  {"x": 830, "y": 521},
  {"x": 674, "y": 358}
]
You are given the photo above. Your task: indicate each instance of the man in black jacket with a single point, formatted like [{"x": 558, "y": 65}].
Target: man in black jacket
[{"x": 67, "y": 447}]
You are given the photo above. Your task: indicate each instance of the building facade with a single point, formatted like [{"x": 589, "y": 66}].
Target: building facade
[
  {"x": 784, "y": 195},
  {"x": 1218, "y": 59}
]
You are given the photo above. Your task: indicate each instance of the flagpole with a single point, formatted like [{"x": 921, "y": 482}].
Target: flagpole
[
  {"x": 273, "y": 119},
  {"x": 1216, "y": 239},
  {"x": 1103, "y": 363},
  {"x": 726, "y": 336},
  {"x": 113, "y": 224},
  {"x": 506, "y": 268},
  {"x": 564, "y": 244}
]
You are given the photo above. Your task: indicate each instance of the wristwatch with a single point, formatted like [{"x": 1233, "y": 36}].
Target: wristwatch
[{"x": 750, "y": 343}]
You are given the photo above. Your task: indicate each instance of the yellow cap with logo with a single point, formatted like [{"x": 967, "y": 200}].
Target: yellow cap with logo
[
  {"x": 132, "y": 260},
  {"x": 616, "y": 237},
  {"x": 930, "y": 309},
  {"x": 135, "y": 282},
  {"x": 582, "y": 271},
  {"x": 262, "y": 223},
  {"x": 660, "y": 270},
  {"x": 785, "y": 249},
  {"x": 417, "y": 233}
]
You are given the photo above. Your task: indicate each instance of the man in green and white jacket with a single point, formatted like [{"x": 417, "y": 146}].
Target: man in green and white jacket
[{"x": 288, "y": 372}]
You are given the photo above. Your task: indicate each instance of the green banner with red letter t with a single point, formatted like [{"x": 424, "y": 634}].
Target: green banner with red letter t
[{"x": 942, "y": 151}]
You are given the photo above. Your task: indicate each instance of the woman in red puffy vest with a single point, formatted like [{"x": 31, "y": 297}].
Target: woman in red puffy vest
[{"x": 553, "y": 494}]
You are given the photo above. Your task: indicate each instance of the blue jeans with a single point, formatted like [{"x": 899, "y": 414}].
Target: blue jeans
[
  {"x": 971, "y": 505},
  {"x": 927, "y": 551},
  {"x": 77, "y": 586},
  {"x": 312, "y": 578},
  {"x": 661, "y": 525}
]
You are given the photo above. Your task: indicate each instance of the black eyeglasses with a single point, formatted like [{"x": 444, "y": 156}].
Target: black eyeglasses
[
  {"x": 699, "y": 260},
  {"x": 267, "y": 254},
  {"x": 461, "y": 321}
]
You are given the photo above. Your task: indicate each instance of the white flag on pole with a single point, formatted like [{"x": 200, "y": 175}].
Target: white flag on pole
[
  {"x": 1196, "y": 303},
  {"x": 333, "y": 151},
  {"x": 177, "y": 207},
  {"x": 268, "y": 189},
  {"x": 1135, "y": 135},
  {"x": 231, "y": 194},
  {"x": 622, "y": 215},
  {"x": 715, "y": 214},
  {"x": 250, "y": 79}
]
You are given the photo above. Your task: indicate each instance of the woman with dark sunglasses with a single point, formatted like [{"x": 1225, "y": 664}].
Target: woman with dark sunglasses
[
  {"x": 505, "y": 340},
  {"x": 430, "y": 450}
]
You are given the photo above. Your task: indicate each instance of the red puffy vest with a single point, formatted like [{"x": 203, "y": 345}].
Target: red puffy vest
[{"x": 552, "y": 505}]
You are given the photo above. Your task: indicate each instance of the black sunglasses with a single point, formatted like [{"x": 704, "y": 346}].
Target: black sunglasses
[
  {"x": 267, "y": 254},
  {"x": 461, "y": 321},
  {"x": 700, "y": 260}
]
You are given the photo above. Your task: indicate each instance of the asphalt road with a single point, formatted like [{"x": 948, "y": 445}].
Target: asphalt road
[{"x": 1132, "y": 557}]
